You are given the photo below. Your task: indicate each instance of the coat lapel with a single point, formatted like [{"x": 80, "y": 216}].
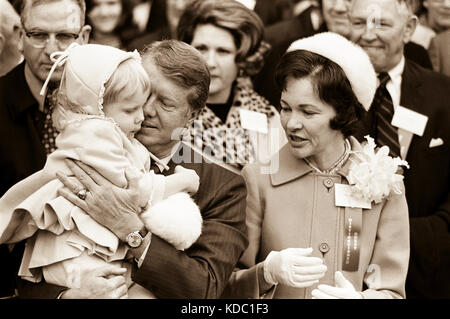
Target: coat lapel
[
  {"x": 411, "y": 96},
  {"x": 17, "y": 104},
  {"x": 290, "y": 167}
]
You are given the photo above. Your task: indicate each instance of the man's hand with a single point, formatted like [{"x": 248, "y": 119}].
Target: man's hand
[
  {"x": 113, "y": 207},
  {"x": 103, "y": 283}
]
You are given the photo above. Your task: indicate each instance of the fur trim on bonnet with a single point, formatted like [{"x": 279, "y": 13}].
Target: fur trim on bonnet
[
  {"x": 87, "y": 68},
  {"x": 349, "y": 56}
]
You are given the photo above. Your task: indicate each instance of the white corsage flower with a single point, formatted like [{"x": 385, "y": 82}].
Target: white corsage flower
[{"x": 373, "y": 175}]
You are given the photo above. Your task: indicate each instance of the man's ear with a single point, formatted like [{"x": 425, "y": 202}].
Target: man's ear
[
  {"x": 410, "y": 27},
  {"x": 2, "y": 43},
  {"x": 85, "y": 33},
  {"x": 193, "y": 117},
  {"x": 21, "y": 39}
]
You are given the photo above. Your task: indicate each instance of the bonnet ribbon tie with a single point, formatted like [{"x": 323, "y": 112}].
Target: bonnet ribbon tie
[{"x": 59, "y": 58}]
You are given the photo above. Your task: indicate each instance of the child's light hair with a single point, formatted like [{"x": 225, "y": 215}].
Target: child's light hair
[{"x": 128, "y": 79}]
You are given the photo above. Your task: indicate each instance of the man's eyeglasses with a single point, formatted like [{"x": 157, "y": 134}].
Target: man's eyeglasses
[{"x": 40, "y": 39}]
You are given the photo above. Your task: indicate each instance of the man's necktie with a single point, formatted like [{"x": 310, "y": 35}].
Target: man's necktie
[
  {"x": 49, "y": 132},
  {"x": 386, "y": 134},
  {"x": 154, "y": 167}
]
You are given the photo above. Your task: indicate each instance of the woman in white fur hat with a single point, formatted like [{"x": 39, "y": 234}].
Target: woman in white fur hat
[
  {"x": 100, "y": 108},
  {"x": 332, "y": 221}
]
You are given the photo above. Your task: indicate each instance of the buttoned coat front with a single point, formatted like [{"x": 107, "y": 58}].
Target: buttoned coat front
[{"x": 295, "y": 207}]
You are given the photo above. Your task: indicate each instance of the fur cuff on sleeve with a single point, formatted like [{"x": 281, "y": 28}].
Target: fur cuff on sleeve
[{"x": 176, "y": 219}]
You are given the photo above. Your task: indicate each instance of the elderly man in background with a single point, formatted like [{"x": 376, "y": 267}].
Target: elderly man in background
[
  {"x": 410, "y": 114},
  {"x": 10, "y": 55}
]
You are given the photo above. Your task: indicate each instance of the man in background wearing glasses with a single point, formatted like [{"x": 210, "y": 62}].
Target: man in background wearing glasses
[{"x": 47, "y": 26}]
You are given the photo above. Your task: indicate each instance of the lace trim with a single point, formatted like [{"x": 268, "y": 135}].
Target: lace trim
[{"x": 130, "y": 55}]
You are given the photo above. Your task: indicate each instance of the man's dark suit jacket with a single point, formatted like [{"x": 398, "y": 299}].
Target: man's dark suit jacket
[
  {"x": 21, "y": 153},
  {"x": 203, "y": 270},
  {"x": 427, "y": 182}
]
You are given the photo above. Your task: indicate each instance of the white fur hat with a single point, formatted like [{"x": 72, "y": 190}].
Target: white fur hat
[{"x": 349, "y": 56}]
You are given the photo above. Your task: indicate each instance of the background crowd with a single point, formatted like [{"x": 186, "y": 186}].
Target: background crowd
[{"x": 228, "y": 60}]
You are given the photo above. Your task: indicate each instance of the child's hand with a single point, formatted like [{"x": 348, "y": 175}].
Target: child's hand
[{"x": 189, "y": 179}]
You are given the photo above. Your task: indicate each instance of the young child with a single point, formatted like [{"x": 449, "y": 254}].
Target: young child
[{"x": 99, "y": 109}]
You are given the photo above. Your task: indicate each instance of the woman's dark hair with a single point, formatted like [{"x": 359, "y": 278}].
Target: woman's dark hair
[
  {"x": 330, "y": 84},
  {"x": 244, "y": 24},
  {"x": 126, "y": 29}
]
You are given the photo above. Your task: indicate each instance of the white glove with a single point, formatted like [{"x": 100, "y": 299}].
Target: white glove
[
  {"x": 343, "y": 290},
  {"x": 293, "y": 267}
]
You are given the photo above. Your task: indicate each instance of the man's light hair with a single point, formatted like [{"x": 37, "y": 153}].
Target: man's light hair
[
  {"x": 408, "y": 4},
  {"x": 26, "y": 4},
  {"x": 404, "y": 7}
]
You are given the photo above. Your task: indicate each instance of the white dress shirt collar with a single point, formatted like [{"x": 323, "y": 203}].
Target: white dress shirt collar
[
  {"x": 167, "y": 159},
  {"x": 395, "y": 83}
]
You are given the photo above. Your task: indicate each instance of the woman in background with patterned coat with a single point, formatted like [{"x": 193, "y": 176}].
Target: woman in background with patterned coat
[{"x": 238, "y": 126}]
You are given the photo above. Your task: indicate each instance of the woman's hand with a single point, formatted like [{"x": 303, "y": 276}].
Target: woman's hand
[
  {"x": 293, "y": 267},
  {"x": 113, "y": 207},
  {"x": 343, "y": 290}
]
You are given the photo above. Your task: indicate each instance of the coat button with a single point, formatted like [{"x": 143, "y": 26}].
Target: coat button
[
  {"x": 324, "y": 247},
  {"x": 328, "y": 183}
]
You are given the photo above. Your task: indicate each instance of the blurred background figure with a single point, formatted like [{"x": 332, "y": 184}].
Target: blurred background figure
[
  {"x": 438, "y": 15},
  {"x": 112, "y": 22},
  {"x": 10, "y": 55},
  {"x": 162, "y": 22},
  {"x": 158, "y": 19},
  {"x": 271, "y": 11},
  {"x": 434, "y": 18},
  {"x": 229, "y": 36},
  {"x": 141, "y": 13},
  {"x": 433, "y": 32},
  {"x": 440, "y": 52}
]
